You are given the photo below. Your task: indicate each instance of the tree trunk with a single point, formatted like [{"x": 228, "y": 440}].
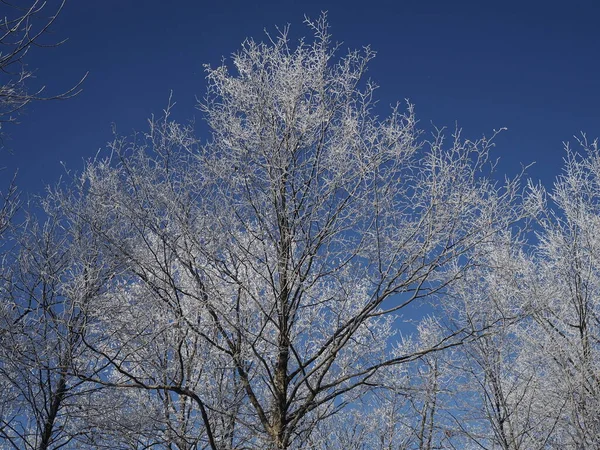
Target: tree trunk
[{"x": 57, "y": 399}]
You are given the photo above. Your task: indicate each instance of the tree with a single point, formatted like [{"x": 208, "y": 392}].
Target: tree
[
  {"x": 569, "y": 321},
  {"x": 532, "y": 381},
  {"x": 500, "y": 391},
  {"x": 38, "y": 317},
  {"x": 24, "y": 26},
  {"x": 270, "y": 264},
  {"x": 40, "y": 339}
]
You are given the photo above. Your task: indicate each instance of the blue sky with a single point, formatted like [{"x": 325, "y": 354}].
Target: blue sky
[{"x": 529, "y": 66}]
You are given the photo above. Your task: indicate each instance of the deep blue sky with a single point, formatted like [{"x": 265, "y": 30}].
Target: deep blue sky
[{"x": 532, "y": 67}]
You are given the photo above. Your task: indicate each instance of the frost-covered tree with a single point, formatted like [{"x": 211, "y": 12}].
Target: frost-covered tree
[
  {"x": 258, "y": 277},
  {"x": 499, "y": 388},
  {"x": 24, "y": 24},
  {"x": 569, "y": 320},
  {"x": 40, "y": 336},
  {"x": 532, "y": 380}
]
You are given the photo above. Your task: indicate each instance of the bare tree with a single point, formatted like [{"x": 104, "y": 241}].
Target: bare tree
[
  {"x": 282, "y": 250},
  {"x": 498, "y": 383},
  {"x": 25, "y": 25},
  {"x": 569, "y": 319},
  {"x": 53, "y": 273}
]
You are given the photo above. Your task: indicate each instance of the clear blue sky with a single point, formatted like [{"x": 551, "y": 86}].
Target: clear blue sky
[{"x": 532, "y": 67}]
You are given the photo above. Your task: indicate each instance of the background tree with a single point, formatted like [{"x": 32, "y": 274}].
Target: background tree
[
  {"x": 25, "y": 24},
  {"x": 569, "y": 322},
  {"x": 40, "y": 335}
]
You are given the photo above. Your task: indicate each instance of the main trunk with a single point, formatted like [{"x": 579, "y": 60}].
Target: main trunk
[
  {"x": 48, "y": 427},
  {"x": 280, "y": 408}
]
